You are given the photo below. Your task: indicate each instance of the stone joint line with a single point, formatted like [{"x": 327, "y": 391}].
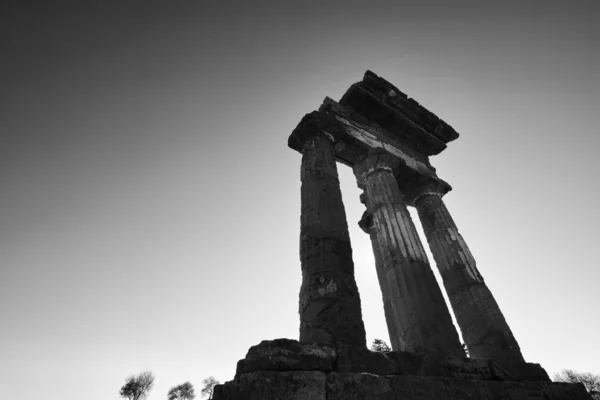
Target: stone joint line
[
  {"x": 372, "y": 170},
  {"x": 426, "y": 194},
  {"x": 396, "y": 203}
]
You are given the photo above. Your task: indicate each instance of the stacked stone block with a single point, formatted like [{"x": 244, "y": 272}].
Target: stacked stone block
[{"x": 287, "y": 369}]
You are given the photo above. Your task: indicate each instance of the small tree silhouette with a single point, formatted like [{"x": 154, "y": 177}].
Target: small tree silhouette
[
  {"x": 590, "y": 381},
  {"x": 380, "y": 346},
  {"x": 185, "y": 391},
  {"x": 137, "y": 387},
  {"x": 208, "y": 388}
]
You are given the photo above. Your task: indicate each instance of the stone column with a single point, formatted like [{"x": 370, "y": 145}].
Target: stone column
[
  {"x": 417, "y": 316},
  {"x": 483, "y": 327},
  {"x": 330, "y": 309},
  {"x": 366, "y": 224}
]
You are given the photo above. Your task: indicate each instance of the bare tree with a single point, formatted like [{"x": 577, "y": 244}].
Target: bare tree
[
  {"x": 185, "y": 391},
  {"x": 380, "y": 346},
  {"x": 137, "y": 387},
  {"x": 590, "y": 381},
  {"x": 209, "y": 384}
]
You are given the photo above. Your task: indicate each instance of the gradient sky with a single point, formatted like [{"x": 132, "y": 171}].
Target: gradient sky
[{"x": 150, "y": 207}]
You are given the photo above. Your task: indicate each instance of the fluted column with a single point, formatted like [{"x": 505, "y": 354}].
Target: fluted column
[
  {"x": 366, "y": 224},
  {"x": 330, "y": 309},
  {"x": 417, "y": 315},
  {"x": 483, "y": 327}
]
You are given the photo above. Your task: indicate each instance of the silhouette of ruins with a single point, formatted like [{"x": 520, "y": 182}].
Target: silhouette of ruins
[{"x": 387, "y": 139}]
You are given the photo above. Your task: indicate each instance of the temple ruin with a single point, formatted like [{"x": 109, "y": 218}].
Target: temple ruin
[{"x": 387, "y": 139}]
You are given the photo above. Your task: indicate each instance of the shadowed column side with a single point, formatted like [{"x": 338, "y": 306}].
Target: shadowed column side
[
  {"x": 366, "y": 224},
  {"x": 484, "y": 329},
  {"x": 330, "y": 308}
]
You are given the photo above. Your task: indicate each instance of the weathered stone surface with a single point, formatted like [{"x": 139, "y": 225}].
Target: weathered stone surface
[
  {"x": 463, "y": 368},
  {"x": 408, "y": 363},
  {"x": 362, "y": 135},
  {"x": 563, "y": 391},
  {"x": 380, "y": 102},
  {"x": 289, "y": 355},
  {"x": 418, "y": 388},
  {"x": 330, "y": 310},
  {"x": 484, "y": 329},
  {"x": 365, "y": 386},
  {"x": 524, "y": 390},
  {"x": 292, "y": 385},
  {"x": 360, "y": 359},
  {"x": 239, "y": 369},
  {"x": 522, "y": 371},
  {"x": 316, "y": 122},
  {"x": 495, "y": 390},
  {"x": 381, "y": 89},
  {"x": 464, "y": 389},
  {"x": 228, "y": 391},
  {"x": 358, "y": 386},
  {"x": 418, "y": 315}
]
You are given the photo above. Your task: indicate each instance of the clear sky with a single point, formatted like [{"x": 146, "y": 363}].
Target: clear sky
[{"x": 150, "y": 207}]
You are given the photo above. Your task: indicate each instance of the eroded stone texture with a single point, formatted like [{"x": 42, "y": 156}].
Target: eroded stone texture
[
  {"x": 418, "y": 388},
  {"x": 357, "y": 373},
  {"x": 228, "y": 391},
  {"x": 358, "y": 386},
  {"x": 524, "y": 390},
  {"x": 382, "y": 103},
  {"x": 484, "y": 329},
  {"x": 464, "y": 389},
  {"x": 239, "y": 369},
  {"x": 463, "y": 368},
  {"x": 523, "y": 371},
  {"x": 330, "y": 310},
  {"x": 408, "y": 363},
  {"x": 495, "y": 390},
  {"x": 292, "y": 385},
  {"x": 360, "y": 359},
  {"x": 440, "y": 366},
  {"x": 563, "y": 391},
  {"x": 289, "y": 355},
  {"x": 418, "y": 313}
]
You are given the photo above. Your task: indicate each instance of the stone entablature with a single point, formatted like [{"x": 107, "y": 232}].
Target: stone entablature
[
  {"x": 364, "y": 134},
  {"x": 382, "y": 103}
]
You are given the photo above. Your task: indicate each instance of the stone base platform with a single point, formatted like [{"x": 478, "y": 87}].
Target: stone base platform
[{"x": 285, "y": 369}]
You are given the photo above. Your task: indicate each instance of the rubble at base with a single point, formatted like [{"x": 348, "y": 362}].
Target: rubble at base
[{"x": 286, "y": 369}]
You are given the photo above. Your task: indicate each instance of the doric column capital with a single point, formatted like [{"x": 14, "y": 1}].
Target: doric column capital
[
  {"x": 431, "y": 186},
  {"x": 315, "y": 124},
  {"x": 373, "y": 161}
]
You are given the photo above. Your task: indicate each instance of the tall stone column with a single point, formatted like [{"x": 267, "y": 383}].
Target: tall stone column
[
  {"x": 483, "y": 327},
  {"x": 417, "y": 316},
  {"x": 367, "y": 225},
  {"x": 330, "y": 309}
]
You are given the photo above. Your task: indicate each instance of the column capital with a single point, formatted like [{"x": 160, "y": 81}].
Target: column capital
[
  {"x": 372, "y": 161},
  {"x": 315, "y": 124},
  {"x": 430, "y": 186}
]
